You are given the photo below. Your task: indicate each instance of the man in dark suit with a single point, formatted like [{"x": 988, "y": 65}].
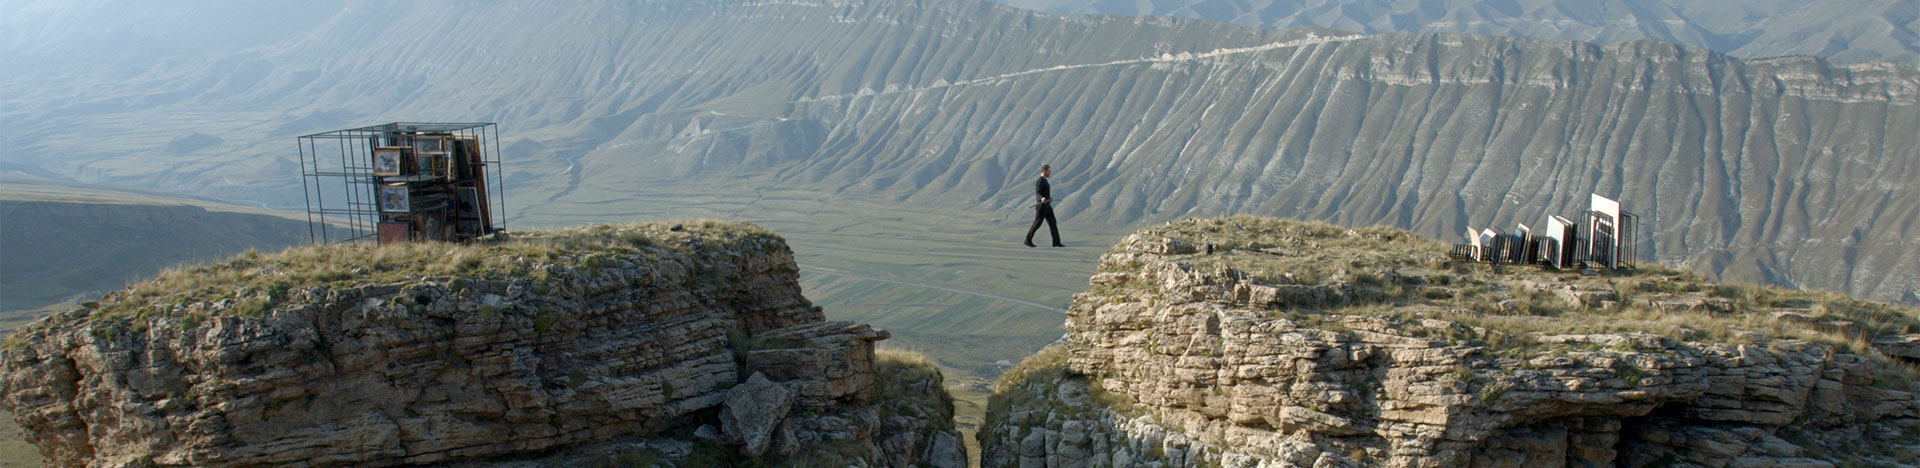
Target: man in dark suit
[{"x": 1043, "y": 211}]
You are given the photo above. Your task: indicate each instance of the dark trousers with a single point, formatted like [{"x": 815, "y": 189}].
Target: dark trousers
[{"x": 1044, "y": 212}]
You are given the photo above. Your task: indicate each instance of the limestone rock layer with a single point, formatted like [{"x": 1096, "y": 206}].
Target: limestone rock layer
[
  {"x": 571, "y": 343},
  {"x": 1243, "y": 354}
]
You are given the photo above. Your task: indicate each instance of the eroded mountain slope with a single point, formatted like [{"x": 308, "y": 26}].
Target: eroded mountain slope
[
  {"x": 1789, "y": 171},
  {"x": 1844, "y": 30}
]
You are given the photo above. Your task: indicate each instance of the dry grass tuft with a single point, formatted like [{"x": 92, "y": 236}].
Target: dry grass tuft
[
  {"x": 254, "y": 281},
  {"x": 887, "y": 357},
  {"x": 1048, "y": 365}
]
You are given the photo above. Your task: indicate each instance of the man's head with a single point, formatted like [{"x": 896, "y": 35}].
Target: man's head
[{"x": 1046, "y": 170}]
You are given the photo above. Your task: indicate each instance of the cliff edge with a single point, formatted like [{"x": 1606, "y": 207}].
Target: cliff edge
[
  {"x": 640, "y": 345},
  {"x": 1258, "y": 342}
]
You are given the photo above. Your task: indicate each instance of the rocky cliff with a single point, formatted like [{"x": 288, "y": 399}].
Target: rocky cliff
[
  {"x": 1258, "y": 342},
  {"x": 631, "y": 345}
]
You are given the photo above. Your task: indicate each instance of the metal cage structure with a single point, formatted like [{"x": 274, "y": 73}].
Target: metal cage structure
[{"x": 403, "y": 181}]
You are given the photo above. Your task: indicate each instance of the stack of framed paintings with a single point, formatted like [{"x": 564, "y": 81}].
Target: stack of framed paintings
[{"x": 433, "y": 185}]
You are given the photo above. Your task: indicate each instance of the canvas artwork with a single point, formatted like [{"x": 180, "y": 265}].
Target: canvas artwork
[
  {"x": 394, "y": 198},
  {"x": 1602, "y": 219},
  {"x": 472, "y": 150},
  {"x": 1560, "y": 231},
  {"x": 1522, "y": 241},
  {"x": 429, "y": 145},
  {"x": 386, "y": 161}
]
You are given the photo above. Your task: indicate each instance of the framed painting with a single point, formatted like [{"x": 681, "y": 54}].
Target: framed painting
[
  {"x": 395, "y": 199},
  {"x": 388, "y": 161},
  {"x": 429, "y": 144}
]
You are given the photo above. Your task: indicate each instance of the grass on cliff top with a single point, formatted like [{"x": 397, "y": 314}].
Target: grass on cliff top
[
  {"x": 258, "y": 280},
  {"x": 1393, "y": 272},
  {"x": 1035, "y": 382},
  {"x": 899, "y": 378},
  {"x": 1284, "y": 251}
]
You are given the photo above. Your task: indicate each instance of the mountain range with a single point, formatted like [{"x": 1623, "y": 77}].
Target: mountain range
[
  {"x": 1793, "y": 170},
  {"x": 1840, "y": 30}
]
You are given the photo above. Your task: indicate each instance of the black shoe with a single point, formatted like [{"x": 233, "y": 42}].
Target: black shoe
[
  {"x": 1030, "y": 244},
  {"x": 1057, "y": 244}
]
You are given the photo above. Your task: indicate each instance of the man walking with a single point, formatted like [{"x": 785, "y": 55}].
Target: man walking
[{"x": 1043, "y": 211}]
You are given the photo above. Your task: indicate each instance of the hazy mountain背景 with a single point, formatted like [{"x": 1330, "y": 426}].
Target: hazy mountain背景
[
  {"x": 1789, "y": 171},
  {"x": 1844, "y": 30}
]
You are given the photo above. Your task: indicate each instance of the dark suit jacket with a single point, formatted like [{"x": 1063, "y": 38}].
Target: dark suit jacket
[{"x": 1043, "y": 190}]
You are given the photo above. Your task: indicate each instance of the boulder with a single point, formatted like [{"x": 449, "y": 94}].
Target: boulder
[{"x": 751, "y": 412}]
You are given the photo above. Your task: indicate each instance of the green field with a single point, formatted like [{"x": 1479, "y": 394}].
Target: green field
[
  {"x": 68, "y": 243},
  {"x": 14, "y": 451}
]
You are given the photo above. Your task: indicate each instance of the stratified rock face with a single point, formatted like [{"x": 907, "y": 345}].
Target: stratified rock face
[
  {"x": 588, "y": 345},
  {"x": 1842, "y": 30},
  {"x": 1177, "y": 358},
  {"x": 751, "y": 411}
]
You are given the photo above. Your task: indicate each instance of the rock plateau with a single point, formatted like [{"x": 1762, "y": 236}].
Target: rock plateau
[
  {"x": 1250, "y": 342},
  {"x": 647, "y": 345}
]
